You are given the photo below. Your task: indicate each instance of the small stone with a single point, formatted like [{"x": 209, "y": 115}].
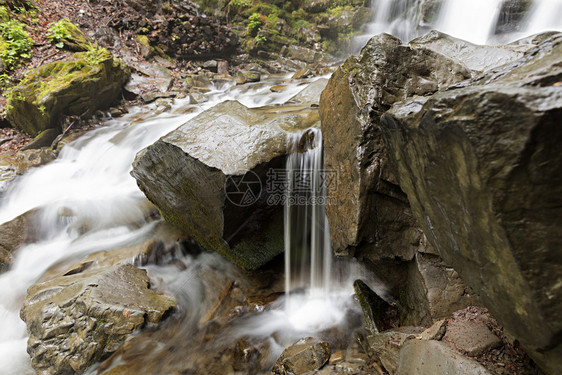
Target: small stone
[
  {"x": 222, "y": 68},
  {"x": 243, "y": 77},
  {"x": 303, "y": 73},
  {"x": 278, "y": 88},
  {"x": 471, "y": 336},
  {"x": 336, "y": 357},
  {"x": 436, "y": 331},
  {"x": 210, "y": 64},
  {"x": 305, "y": 355}
]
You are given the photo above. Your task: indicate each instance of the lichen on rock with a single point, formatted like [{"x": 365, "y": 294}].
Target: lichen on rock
[{"x": 81, "y": 85}]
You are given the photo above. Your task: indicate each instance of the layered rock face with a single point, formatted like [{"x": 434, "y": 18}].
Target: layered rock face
[
  {"x": 481, "y": 166},
  {"x": 210, "y": 178},
  {"x": 372, "y": 218}
]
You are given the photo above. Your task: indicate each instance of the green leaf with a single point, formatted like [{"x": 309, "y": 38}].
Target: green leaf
[{"x": 60, "y": 45}]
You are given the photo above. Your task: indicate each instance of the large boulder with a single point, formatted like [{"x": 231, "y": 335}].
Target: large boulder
[
  {"x": 85, "y": 314},
  {"x": 372, "y": 211},
  {"x": 482, "y": 169},
  {"x": 208, "y": 177},
  {"x": 81, "y": 85}
]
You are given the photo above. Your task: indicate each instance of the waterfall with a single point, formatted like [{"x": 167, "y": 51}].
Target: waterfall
[
  {"x": 475, "y": 21},
  {"x": 544, "y": 15},
  {"x": 469, "y": 20},
  {"x": 307, "y": 236}
]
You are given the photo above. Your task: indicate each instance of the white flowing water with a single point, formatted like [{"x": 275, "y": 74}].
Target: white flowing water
[
  {"x": 88, "y": 202},
  {"x": 545, "y": 15},
  {"x": 474, "y": 21}
]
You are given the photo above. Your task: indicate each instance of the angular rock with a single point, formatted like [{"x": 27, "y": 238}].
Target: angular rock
[
  {"x": 243, "y": 77},
  {"x": 435, "y": 357},
  {"x": 436, "y": 331},
  {"x": 372, "y": 211},
  {"x": 386, "y": 346},
  {"x": 77, "y": 319},
  {"x": 15, "y": 233},
  {"x": 374, "y": 308},
  {"x": 79, "y": 86},
  {"x": 475, "y": 57},
  {"x": 311, "y": 93},
  {"x": 305, "y": 355},
  {"x": 482, "y": 168},
  {"x": 472, "y": 337},
  {"x": 209, "y": 178},
  {"x": 434, "y": 291}
]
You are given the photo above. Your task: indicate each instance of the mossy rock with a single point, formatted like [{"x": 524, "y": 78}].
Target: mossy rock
[
  {"x": 79, "y": 86},
  {"x": 67, "y": 35}
]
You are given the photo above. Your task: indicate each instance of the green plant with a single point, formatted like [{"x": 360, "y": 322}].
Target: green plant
[
  {"x": 59, "y": 32},
  {"x": 15, "y": 43},
  {"x": 4, "y": 80},
  {"x": 260, "y": 39},
  {"x": 255, "y": 23},
  {"x": 96, "y": 55}
]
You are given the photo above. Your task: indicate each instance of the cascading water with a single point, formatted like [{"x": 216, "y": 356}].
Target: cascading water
[
  {"x": 469, "y": 20},
  {"x": 88, "y": 202},
  {"x": 307, "y": 242},
  {"x": 474, "y": 21}
]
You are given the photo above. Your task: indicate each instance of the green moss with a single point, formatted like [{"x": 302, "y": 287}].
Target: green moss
[
  {"x": 65, "y": 87},
  {"x": 65, "y": 34}
]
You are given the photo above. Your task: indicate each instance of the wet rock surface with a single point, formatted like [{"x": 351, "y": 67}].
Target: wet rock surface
[
  {"x": 14, "y": 165},
  {"x": 478, "y": 58},
  {"x": 372, "y": 212},
  {"x": 209, "y": 177},
  {"x": 14, "y": 234},
  {"x": 305, "y": 355},
  {"x": 480, "y": 165},
  {"x": 80, "y": 317}
]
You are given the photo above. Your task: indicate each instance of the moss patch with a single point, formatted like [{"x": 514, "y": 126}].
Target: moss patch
[{"x": 89, "y": 81}]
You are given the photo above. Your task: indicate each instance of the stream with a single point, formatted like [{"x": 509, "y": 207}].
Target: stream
[{"x": 87, "y": 201}]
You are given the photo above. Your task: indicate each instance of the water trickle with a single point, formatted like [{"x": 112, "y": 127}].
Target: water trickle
[{"x": 307, "y": 242}]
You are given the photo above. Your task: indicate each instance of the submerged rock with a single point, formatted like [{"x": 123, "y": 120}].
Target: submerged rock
[
  {"x": 212, "y": 178},
  {"x": 305, "y": 355},
  {"x": 83, "y": 84},
  {"x": 76, "y": 319},
  {"x": 482, "y": 168}
]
